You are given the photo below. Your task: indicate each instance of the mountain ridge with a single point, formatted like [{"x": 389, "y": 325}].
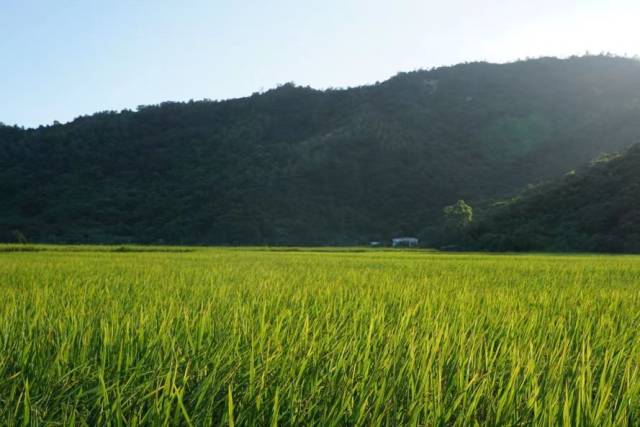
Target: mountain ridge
[{"x": 296, "y": 165}]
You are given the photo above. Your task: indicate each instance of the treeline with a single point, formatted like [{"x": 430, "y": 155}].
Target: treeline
[{"x": 298, "y": 166}]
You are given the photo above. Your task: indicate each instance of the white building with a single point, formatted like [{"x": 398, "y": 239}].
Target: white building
[{"x": 404, "y": 241}]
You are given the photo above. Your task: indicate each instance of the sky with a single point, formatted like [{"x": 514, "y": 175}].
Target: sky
[{"x": 60, "y": 58}]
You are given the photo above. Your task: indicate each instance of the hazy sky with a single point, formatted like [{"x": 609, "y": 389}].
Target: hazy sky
[{"x": 60, "y": 59}]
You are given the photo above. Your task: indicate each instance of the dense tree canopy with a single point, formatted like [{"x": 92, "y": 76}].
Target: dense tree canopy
[
  {"x": 596, "y": 209},
  {"x": 300, "y": 166}
]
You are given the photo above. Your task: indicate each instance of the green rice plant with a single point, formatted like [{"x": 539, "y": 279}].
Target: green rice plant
[{"x": 207, "y": 336}]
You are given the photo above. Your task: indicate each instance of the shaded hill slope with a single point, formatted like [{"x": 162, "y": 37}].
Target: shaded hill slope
[
  {"x": 300, "y": 166},
  {"x": 596, "y": 209}
]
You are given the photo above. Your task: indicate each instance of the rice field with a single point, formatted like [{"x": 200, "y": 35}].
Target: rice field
[{"x": 235, "y": 337}]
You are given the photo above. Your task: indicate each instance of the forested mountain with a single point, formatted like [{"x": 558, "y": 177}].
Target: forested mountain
[
  {"x": 595, "y": 209},
  {"x": 296, "y": 165}
]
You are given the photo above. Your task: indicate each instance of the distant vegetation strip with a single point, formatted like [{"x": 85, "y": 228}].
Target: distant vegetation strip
[{"x": 90, "y": 248}]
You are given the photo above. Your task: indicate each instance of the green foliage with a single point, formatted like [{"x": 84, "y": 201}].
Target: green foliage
[
  {"x": 299, "y": 166},
  {"x": 458, "y": 216},
  {"x": 89, "y": 336},
  {"x": 596, "y": 209},
  {"x": 451, "y": 231}
]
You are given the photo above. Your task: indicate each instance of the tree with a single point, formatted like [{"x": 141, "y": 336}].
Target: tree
[{"x": 458, "y": 216}]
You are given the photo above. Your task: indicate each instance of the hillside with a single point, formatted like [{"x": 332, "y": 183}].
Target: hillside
[
  {"x": 296, "y": 165},
  {"x": 595, "y": 209}
]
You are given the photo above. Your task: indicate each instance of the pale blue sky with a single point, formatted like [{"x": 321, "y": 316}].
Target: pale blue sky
[{"x": 62, "y": 58}]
